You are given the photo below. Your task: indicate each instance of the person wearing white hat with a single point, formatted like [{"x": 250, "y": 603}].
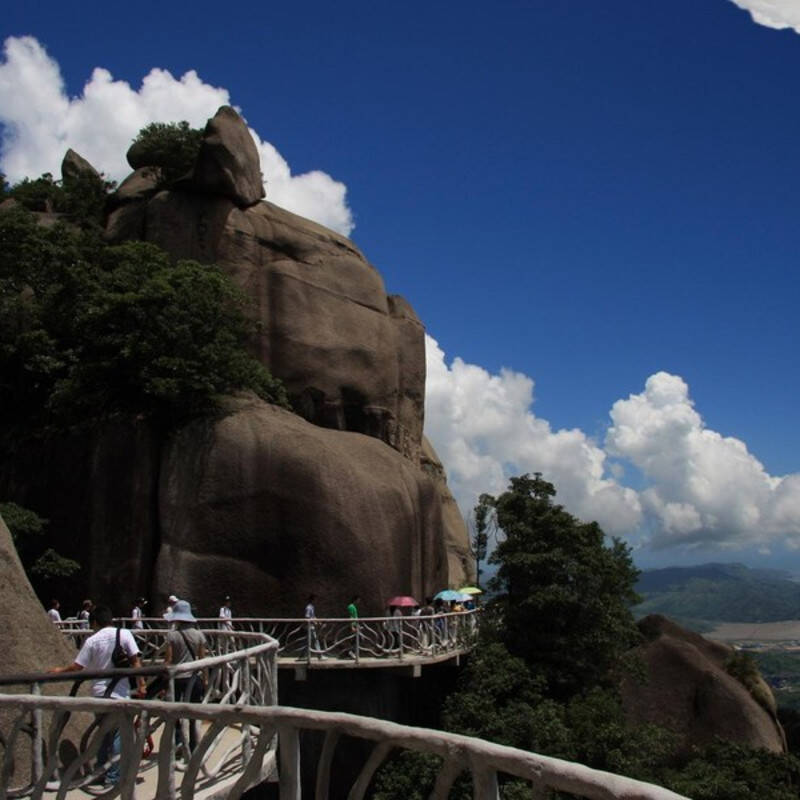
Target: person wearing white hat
[
  {"x": 171, "y": 600},
  {"x": 186, "y": 643}
]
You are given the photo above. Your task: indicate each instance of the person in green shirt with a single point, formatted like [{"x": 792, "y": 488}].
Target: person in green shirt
[{"x": 352, "y": 612}]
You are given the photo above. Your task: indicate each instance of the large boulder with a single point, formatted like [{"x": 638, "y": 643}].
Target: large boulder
[
  {"x": 268, "y": 508},
  {"x": 689, "y": 691},
  {"x": 30, "y": 643},
  {"x": 228, "y": 163},
  {"x": 76, "y": 167}
]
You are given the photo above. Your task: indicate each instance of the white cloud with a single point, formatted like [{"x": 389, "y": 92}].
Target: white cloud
[
  {"x": 39, "y": 122},
  {"x": 706, "y": 489},
  {"x": 701, "y": 489},
  {"x": 484, "y": 430},
  {"x": 776, "y": 14}
]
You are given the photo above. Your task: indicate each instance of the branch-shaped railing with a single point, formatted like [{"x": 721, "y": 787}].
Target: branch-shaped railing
[
  {"x": 376, "y": 638},
  {"x": 487, "y": 763},
  {"x": 240, "y": 673}
]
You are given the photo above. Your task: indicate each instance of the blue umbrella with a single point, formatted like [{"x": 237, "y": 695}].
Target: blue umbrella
[{"x": 449, "y": 594}]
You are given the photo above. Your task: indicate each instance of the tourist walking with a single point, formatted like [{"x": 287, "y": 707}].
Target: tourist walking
[
  {"x": 186, "y": 643},
  {"x": 138, "y": 613},
  {"x": 53, "y": 612},
  {"x": 310, "y": 614},
  {"x": 226, "y": 615},
  {"x": 97, "y": 653},
  {"x": 83, "y": 614},
  {"x": 352, "y": 613}
]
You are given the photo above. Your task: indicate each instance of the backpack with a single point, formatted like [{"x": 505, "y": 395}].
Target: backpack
[{"x": 120, "y": 660}]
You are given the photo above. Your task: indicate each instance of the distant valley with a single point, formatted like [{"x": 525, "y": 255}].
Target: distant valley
[{"x": 702, "y": 596}]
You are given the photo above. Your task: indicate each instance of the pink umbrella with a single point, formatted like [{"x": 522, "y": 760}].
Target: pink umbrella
[{"x": 403, "y": 602}]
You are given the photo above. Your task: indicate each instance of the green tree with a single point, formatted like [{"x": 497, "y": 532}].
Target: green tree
[
  {"x": 89, "y": 331},
  {"x": 484, "y": 525},
  {"x": 44, "y": 566},
  {"x": 565, "y": 596},
  {"x": 172, "y": 147}
]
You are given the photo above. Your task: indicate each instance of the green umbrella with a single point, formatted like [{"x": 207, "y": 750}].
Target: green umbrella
[{"x": 470, "y": 590}]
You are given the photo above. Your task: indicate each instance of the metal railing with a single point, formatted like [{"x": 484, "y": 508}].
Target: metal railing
[
  {"x": 487, "y": 763},
  {"x": 380, "y": 638},
  {"x": 40, "y": 755}
]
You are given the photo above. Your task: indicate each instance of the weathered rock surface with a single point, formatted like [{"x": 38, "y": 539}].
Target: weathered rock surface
[
  {"x": 689, "y": 691},
  {"x": 29, "y": 643},
  {"x": 459, "y": 557},
  {"x": 351, "y": 357},
  {"x": 268, "y": 508},
  {"x": 75, "y": 167},
  {"x": 229, "y": 164}
]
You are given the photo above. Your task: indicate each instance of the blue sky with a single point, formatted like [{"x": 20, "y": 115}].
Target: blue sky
[{"x": 587, "y": 204}]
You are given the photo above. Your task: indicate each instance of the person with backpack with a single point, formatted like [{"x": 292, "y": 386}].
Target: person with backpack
[
  {"x": 185, "y": 643},
  {"x": 108, "y": 648}
]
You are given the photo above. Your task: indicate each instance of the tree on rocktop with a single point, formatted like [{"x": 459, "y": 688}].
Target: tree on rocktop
[
  {"x": 565, "y": 596},
  {"x": 172, "y": 147}
]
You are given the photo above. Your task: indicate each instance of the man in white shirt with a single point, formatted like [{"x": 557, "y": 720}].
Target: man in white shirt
[
  {"x": 53, "y": 611},
  {"x": 138, "y": 613},
  {"x": 225, "y": 615},
  {"x": 96, "y": 654}
]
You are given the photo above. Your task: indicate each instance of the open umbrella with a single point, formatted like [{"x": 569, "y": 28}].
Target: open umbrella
[
  {"x": 403, "y": 602},
  {"x": 448, "y": 595},
  {"x": 470, "y": 590}
]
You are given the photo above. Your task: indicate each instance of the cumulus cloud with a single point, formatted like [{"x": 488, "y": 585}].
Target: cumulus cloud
[
  {"x": 40, "y": 121},
  {"x": 706, "y": 489},
  {"x": 776, "y": 14},
  {"x": 701, "y": 489},
  {"x": 484, "y": 430}
]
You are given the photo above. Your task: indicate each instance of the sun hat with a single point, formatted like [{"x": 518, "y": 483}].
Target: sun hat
[
  {"x": 172, "y": 599},
  {"x": 182, "y": 612}
]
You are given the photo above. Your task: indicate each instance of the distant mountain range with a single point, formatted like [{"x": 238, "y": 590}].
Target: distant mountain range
[{"x": 711, "y": 593}]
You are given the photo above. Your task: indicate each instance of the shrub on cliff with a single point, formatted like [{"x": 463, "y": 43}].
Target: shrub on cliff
[
  {"x": 172, "y": 147},
  {"x": 88, "y": 331}
]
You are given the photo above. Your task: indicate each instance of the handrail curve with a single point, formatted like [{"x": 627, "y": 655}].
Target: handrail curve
[{"x": 484, "y": 760}]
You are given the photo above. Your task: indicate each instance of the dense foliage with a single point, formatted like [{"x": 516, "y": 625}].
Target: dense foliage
[
  {"x": 172, "y": 147},
  {"x": 565, "y": 596},
  {"x": 89, "y": 331},
  {"x": 45, "y": 567},
  {"x": 80, "y": 198}
]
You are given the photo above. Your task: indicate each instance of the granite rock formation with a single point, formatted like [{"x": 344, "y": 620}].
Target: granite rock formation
[
  {"x": 30, "y": 643},
  {"x": 689, "y": 691},
  {"x": 262, "y": 504}
]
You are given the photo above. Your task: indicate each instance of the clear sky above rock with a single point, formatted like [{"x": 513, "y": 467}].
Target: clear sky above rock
[{"x": 591, "y": 205}]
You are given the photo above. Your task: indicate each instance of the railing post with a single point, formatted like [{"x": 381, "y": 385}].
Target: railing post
[
  {"x": 358, "y": 641},
  {"x": 36, "y": 739},
  {"x": 308, "y": 641},
  {"x": 247, "y": 747}
]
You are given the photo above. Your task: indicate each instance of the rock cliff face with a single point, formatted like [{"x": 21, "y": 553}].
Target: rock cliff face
[
  {"x": 352, "y": 358},
  {"x": 689, "y": 691},
  {"x": 262, "y": 504}
]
